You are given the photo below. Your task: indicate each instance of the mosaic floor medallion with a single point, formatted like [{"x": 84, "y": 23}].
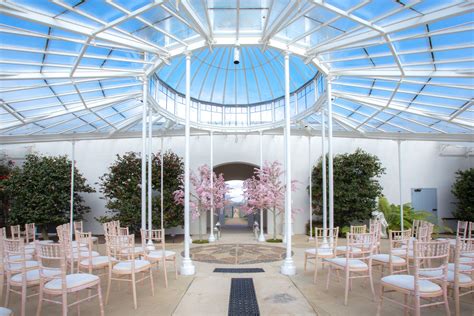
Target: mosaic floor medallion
[{"x": 237, "y": 253}]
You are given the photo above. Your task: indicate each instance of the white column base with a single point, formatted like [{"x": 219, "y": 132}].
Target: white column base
[
  {"x": 150, "y": 246},
  {"x": 288, "y": 267},
  {"x": 187, "y": 267},
  {"x": 310, "y": 238},
  {"x": 211, "y": 238},
  {"x": 261, "y": 237}
]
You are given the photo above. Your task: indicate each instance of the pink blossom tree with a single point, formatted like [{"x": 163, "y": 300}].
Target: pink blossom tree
[
  {"x": 266, "y": 191},
  {"x": 204, "y": 197}
]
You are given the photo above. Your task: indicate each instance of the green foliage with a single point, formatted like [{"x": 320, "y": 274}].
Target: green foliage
[
  {"x": 121, "y": 187},
  {"x": 275, "y": 240},
  {"x": 6, "y": 167},
  {"x": 392, "y": 215},
  {"x": 356, "y": 186},
  {"x": 463, "y": 190},
  {"x": 40, "y": 191}
]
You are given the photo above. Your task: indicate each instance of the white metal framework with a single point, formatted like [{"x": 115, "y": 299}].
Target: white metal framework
[{"x": 76, "y": 69}]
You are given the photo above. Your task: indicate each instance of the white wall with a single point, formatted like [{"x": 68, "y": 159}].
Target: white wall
[{"x": 422, "y": 164}]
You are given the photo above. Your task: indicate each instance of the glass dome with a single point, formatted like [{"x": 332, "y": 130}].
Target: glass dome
[{"x": 259, "y": 77}]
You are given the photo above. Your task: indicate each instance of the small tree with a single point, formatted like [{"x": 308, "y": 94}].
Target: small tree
[
  {"x": 266, "y": 191},
  {"x": 204, "y": 196},
  {"x": 463, "y": 190},
  {"x": 40, "y": 192},
  {"x": 6, "y": 168},
  {"x": 356, "y": 186},
  {"x": 121, "y": 188}
]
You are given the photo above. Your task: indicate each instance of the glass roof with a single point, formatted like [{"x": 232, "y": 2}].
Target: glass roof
[{"x": 75, "y": 68}]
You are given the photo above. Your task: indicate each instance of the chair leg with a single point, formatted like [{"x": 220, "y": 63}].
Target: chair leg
[
  {"x": 101, "y": 305},
  {"x": 305, "y": 261},
  {"x": 152, "y": 282},
  {"x": 78, "y": 306},
  {"x": 23, "y": 297},
  {"x": 40, "y": 300},
  {"x": 445, "y": 299},
  {"x": 134, "y": 290},
  {"x": 175, "y": 269},
  {"x": 2, "y": 279},
  {"x": 165, "y": 272},
  {"x": 328, "y": 277},
  {"x": 346, "y": 287},
  {"x": 457, "y": 302},
  {"x": 64, "y": 299},
  {"x": 417, "y": 306},
  {"x": 7, "y": 295},
  {"x": 109, "y": 281},
  {"x": 372, "y": 284},
  {"x": 315, "y": 270},
  {"x": 379, "y": 305}
]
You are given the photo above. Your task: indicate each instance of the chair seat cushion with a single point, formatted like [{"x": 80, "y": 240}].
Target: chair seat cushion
[
  {"x": 136, "y": 250},
  {"x": 402, "y": 252},
  {"x": 126, "y": 266},
  {"x": 463, "y": 278},
  {"x": 5, "y": 311},
  {"x": 75, "y": 255},
  {"x": 407, "y": 282},
  {"x": 381, "y": 257},
  {"x": 72, "y": 280},
  {"x": 462, "y": 267},
  {"x": 19, "y": 257},
  {"x": 34, "y": 275},
  {"x": 353, "y": 263},
  {"x": 466, "y": 260},
  {"x": 96, "y": 261},
  {"x": 18, "y": 266},
  {"x": 468, "y": 254},
  {"x": 344, "y": 248},
  {"x": 319, "y": 251},
  {"x": 159, "y": 254}
]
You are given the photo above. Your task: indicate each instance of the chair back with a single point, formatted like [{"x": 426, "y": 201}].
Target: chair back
[
  {"x": 15, "y": 231},
  {"x": 362, "y": 229},
  {"x": 78, "y": 227},
  {"x": 360, "y": 246},
  {"x": 415, "y": 226},
  {"x": 463, "y": 246},
  {"x": 15, "y": 256},
  {"x": 437, "y": 254},
  {"x": 462, "y": 229},
  {"x": 30, "y": 233},
  {"x": 85, "y": 242},
  {"x": 423, "y": 234},
  {"x": 376, "y": 228},
  {"x": 470, "y": 230},
  {"x": 326, "y": 238},
  {"x": 121, "y": 247},
  {"x": 51, "y": 257}
]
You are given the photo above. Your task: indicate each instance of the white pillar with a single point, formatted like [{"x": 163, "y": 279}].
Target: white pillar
[
  {"x": 71, "y": 210},
  {"x": 310, "y": 190},
  {"x": 323, "y": 153},
  {"x": 261, "y": 237},
  {"x": 288, "y": 267},
  {"x": 211, "y": 234},
  {"x": 187, "y": 266},
  {"x": 143, "y": 188},
  {"x": 400, "y": 182},
  {"x": 330, "y": 157},
  {"x": 149, "y": 160},
  {"x": 161, "y": 184}
]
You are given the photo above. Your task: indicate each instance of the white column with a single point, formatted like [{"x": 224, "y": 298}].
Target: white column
[
  {"x": 211, "y": 234},
  {"x": 143, "y": 188},
  {"x": 261, "y": 237},
  {"x": 71, "y": 210},
  {"x": 288, "y": 267},
  {"x": 149, "y": 160},
  {"x": 400, "y": 181},
  {"x": 310, "y": 167},
  {"x": 323, "y": 153},
  {"x": 187, "y": 266},
  {"x": 161, "y": 184},
  {"x": 330, "y": 157}
]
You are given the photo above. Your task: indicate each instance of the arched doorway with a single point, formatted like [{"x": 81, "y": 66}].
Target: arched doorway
[{"x": 232, "y": 217}]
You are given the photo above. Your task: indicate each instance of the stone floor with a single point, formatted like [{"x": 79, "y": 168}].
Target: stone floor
[{"x": 207, "y": 293}]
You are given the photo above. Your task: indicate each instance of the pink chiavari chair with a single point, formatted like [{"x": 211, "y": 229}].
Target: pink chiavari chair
[
  {"x": 325, "y": 247},
  {"x": 396, "y": 263}
]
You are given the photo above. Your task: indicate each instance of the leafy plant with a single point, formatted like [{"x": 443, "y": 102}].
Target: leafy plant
[
  {"x": 356, "y": 186},
  {"x": 121, "y": 187},
  {"x": 392, "y": 215},
  {"x": 463, "y": 190},
  {"x": 40, "y": 192},
  {"x": 6, "y": 167}
]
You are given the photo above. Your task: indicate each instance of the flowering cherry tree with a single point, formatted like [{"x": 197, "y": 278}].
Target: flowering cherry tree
[
  {"x": 204, "y": 196},
  {"x": 266, "y": 191}
]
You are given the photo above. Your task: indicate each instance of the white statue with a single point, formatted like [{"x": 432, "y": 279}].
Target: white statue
[{"x": 379, "y": 216}]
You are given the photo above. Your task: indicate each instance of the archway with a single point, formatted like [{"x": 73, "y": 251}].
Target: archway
[{"x": 232, "y": 217}]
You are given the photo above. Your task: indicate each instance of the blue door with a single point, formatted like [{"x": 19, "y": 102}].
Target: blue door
[{"x": 425, "y": 199}]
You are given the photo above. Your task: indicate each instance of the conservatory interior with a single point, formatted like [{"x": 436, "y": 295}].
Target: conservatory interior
[{"x": 239, "y": 157}]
